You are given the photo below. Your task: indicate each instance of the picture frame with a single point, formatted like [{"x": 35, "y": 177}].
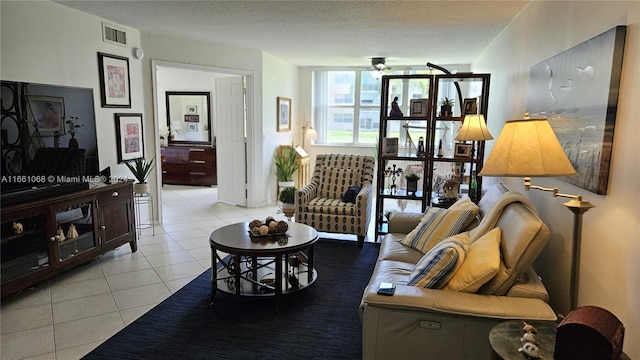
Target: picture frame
[
  {"x": 115, "y": 85},
  {"x": 48, "y": 114},
  {"x": 418, "y": 107},
  {"x": 284, "y": 114},
  {"x": 192, "y": 127},
  {"x": 390, "y": 146},
  {"x": 462, "y": 150},
  {"x": 192, "y": 109},
  {"x": 470, "y": 106},
  {"x": 129, "y": 136},
  {"x": 192, "y": 118}
]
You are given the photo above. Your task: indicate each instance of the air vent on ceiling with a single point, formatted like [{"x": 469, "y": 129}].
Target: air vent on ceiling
[{"x": 112, "y": 34}]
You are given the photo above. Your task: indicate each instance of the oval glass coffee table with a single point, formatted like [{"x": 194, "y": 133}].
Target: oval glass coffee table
[{"x": 262, "y": 266}]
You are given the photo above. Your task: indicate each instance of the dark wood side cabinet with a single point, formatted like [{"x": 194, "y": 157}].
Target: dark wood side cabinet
[
  {"x": 189, "y": 165},
  {"x": 44, "y": 237}
]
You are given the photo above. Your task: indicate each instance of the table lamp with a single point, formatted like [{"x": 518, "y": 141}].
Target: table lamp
[{"x": 529, "y": 148}]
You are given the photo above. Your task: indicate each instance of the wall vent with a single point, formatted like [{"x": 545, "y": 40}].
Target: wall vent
[{"x": 111, "y": 34}]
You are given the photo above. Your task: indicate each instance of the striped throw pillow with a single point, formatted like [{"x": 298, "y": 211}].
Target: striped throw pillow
[
  {"x": 439, "y": 265},
  {"x": 436, "y": 225}
]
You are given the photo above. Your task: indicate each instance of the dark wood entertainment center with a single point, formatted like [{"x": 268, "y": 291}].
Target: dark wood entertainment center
[
  {"x": 189, "y": 165},
  {"x": 43, "y": 237}
]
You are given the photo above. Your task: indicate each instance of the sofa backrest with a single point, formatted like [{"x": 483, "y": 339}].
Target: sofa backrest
[
  {"x": 524, "y": 235},
  {"x": 334, "y": 173}
]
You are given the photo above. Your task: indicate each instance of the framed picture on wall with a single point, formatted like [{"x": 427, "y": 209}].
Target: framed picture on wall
[
  {"x": 192, "y": 109},
  {"x": 129, "y": 135},
  {"x": 115, "y": 87},
  {"x": 192, "y": 127},
  {"x": 470, "y": 106},
  {"x": 48, "y": 114},
  {"x": 284, "y": 114}
]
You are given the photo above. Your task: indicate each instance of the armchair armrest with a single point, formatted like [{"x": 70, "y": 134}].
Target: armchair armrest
[
  {"x": 412, "y": 298},
  {"x": 306, "y": 193}
]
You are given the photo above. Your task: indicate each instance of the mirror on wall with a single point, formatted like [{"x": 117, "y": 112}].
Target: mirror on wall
[{"x": 189, "y": 117}]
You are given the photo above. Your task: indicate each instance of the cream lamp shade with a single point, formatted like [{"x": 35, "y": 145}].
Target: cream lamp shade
[
  {"x": 474, "y": 128},
  {"x": 527, "y": 148}
]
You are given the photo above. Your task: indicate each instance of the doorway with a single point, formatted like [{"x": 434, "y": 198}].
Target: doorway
[{"x": 228, "y": 129}]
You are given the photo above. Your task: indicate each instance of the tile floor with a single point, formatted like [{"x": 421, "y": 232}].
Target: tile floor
[{"x": 74, "y": 312}]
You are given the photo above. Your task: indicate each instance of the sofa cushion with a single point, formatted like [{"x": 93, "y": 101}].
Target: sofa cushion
[
  {"x": 466, "y": 204},
  {"x": 438, "y": 265},
  {"x": 321, "y": 205},
  {"x": 392, "y": 249},
  {"x": 436, "y": 225},
  {"x": 480, "y": 264},
  {"x": 335, "y": 182}
]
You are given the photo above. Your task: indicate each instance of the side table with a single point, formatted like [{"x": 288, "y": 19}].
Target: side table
[
  {"x": 505, "y": 339},
  {"x": 140, "y": 199}
]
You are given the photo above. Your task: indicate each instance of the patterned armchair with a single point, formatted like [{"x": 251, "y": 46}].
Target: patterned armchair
[{"x": 319, "y": 203}]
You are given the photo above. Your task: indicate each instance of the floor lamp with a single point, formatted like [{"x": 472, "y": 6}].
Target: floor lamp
[{"x": 529, "y": 148}]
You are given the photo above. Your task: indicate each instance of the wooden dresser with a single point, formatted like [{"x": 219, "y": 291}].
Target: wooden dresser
[{"x": 189, "y": 165}]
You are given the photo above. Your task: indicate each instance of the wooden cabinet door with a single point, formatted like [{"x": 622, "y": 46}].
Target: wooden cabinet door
[{"x": 117, "y": 222}]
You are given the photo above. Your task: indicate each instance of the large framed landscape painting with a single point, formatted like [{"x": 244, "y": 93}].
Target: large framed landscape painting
[{"x": 577, "y": 90}]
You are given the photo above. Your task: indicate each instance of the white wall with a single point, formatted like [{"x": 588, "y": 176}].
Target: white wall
[
  {"x": 609, "y": 267},
  {"x": 280, "y": 78},
  {"x": 43, "y": 42}
]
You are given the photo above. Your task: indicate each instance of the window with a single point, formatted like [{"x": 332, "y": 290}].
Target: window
[{"x": 346, "y": 104}]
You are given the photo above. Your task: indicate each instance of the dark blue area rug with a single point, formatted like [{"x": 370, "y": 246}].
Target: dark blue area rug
[{"x": 319, "y": 322}]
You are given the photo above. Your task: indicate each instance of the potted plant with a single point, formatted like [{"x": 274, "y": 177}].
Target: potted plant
[
  {"x": 285, "y": 166},
  {"x": 412, "y": 182},
  {"x": 446, "y": 107},
  {"x": 141, "y": 169},
  {"x": 288, "y": 198}
]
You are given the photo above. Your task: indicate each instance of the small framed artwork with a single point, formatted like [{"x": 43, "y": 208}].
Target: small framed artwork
[
  {"x": 284, "y": 114},
  {"x": 462, "y": 150},
  {"x": 418, "y": 107},
  {"x": 48, "y": 114},
  {"x": 390, "y": 146},
  {"x": 115, "y": 87},
  {"x": 191, "y": 127},
  {"x": 192, "y": 109},
  {"x": 470, "y": 106},
  {"x": 192, "y": 118},
  {"x": 129, "y": 135}
]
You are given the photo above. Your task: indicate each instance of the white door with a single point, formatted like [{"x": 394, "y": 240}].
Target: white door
[{"x": 230, "y": 140}]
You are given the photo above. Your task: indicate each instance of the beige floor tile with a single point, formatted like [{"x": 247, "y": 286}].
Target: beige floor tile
[
  {"x": 78, "y": 289},
  {"x": 48, "y": 356},
  {"x": 26, "y": 318},
  {"x": 88, "y": 330},
  {"x": 28, "y": 343},
  {"x": 85, "y": 307},
  {"x": 201, "y": 252},
  {"x": 175, "y": 285},
  {"x": 76, "y": 352},
  {"x": 133, "y": 279},
  {"x": 82, "y": 272},
  {"x": 194, "y": 243},
  {"x": 130, "y": 315},
  {"x": 155, "y": 249},
  {"x": 171, "y": 258},
  {"x": 119, "y": 266},
  {"x": 193, "y": 233},
  {"x": 179, "y": 271},
  {"x": 144, "y": 295},
  {"x": 34, "y": 296}
]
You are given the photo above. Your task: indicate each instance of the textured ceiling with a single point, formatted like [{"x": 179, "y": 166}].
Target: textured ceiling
[{"x": 325, "y": 33}]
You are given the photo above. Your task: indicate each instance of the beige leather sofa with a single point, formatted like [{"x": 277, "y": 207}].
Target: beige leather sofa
[{"x": 420, "y": 323}]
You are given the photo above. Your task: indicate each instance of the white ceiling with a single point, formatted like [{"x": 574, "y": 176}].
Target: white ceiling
[{"x": 325, "y": 33}]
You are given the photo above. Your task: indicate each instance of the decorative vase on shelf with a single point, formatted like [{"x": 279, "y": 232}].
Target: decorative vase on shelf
[{"x": 73, "y": 142}]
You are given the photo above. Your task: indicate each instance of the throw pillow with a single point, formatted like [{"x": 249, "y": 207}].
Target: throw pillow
[
  {"x": 438, "y": 265},
  {"x": 436, "y": 225},
  {"x": 466, "y": 204},
  {"x": 480, "y": 265},
  {"x": 351, "y": 194}
]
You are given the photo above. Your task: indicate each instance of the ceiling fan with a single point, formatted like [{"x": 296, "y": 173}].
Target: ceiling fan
[{"x": 379, "y": 66}]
